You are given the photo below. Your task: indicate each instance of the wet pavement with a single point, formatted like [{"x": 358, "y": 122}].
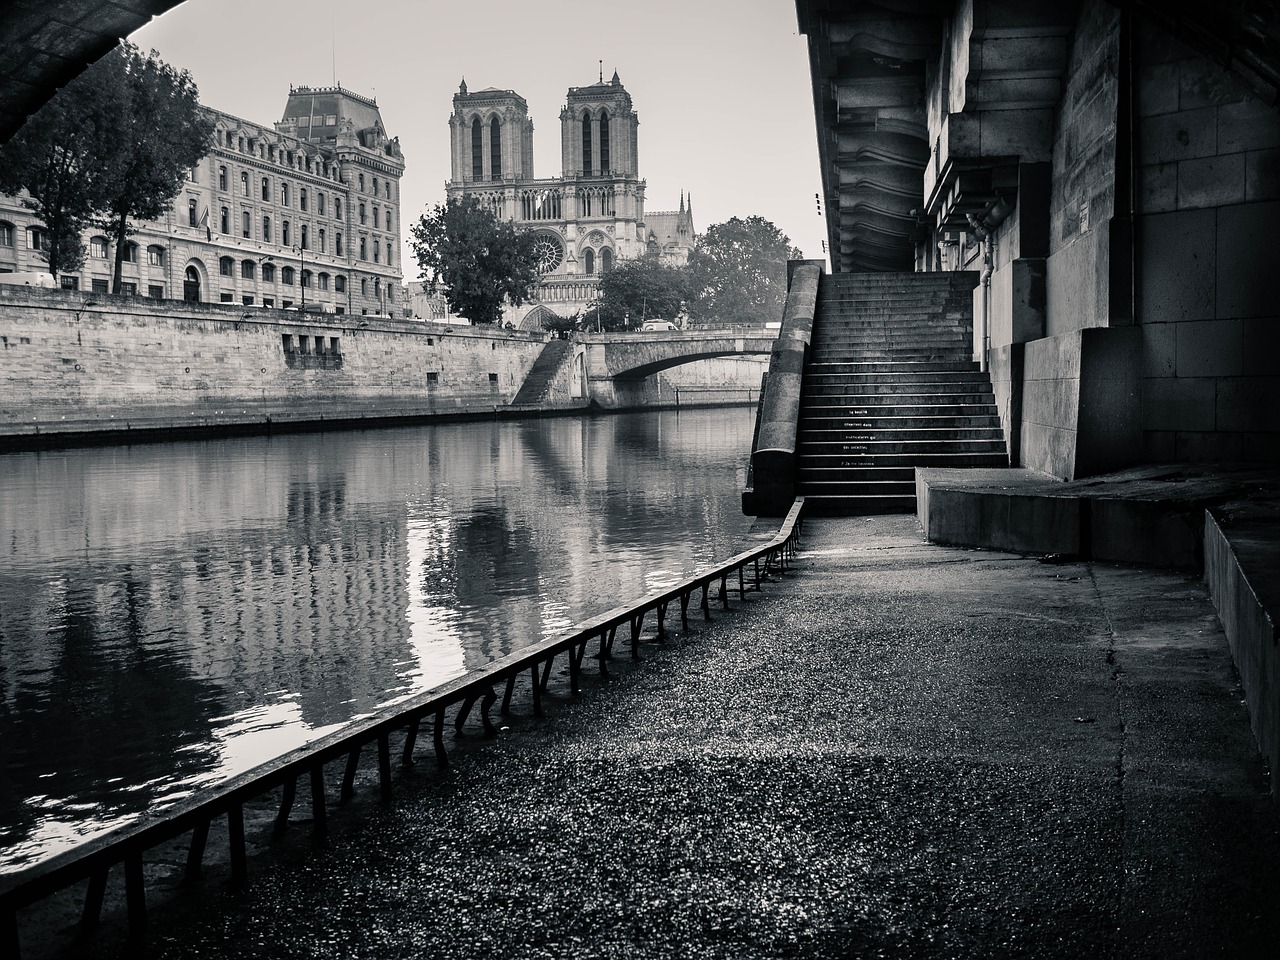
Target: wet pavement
[{"x": 899, "y": 750}]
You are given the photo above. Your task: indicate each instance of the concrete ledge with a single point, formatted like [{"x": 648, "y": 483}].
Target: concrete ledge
[{"x": 1242, "y": 570}]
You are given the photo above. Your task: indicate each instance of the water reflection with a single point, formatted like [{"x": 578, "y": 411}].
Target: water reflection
[{"x": 173, "y": 614}]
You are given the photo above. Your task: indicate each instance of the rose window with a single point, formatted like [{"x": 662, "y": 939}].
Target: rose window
[{"x": 548, "y": 252}]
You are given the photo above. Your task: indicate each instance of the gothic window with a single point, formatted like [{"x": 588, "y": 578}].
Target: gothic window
[
  {"x": 589, "y": 261},
  {"x": 604, "y": 141},
  {"x": 586, "y": 143},
  {"x": 477, "y": 150},
  {"x": 495, "y": 149},
  {"x": 606, "y": 260}
]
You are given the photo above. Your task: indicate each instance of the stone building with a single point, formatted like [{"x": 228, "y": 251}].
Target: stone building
[
  {"x": 1111, "y": 172},
  {"x": 303, "y": 213},
  {"x": 586, "y": 219}
]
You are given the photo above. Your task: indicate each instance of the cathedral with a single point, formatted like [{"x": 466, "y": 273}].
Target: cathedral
[{"x": 588, "y": 218}]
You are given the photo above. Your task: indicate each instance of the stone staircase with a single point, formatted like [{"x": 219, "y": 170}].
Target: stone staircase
[
  {"x": 543, "y": 372},
  {"x": 890, "y": 386}
]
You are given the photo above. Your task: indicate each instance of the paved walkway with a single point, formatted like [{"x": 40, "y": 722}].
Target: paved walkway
[{"x": 902, "y": 750}]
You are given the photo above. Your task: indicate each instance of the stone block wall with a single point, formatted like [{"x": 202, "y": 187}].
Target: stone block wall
[{"x": 1208, "y": 195}]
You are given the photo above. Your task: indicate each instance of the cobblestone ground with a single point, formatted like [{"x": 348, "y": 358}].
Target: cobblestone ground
[{"x": 900, "y": 750}]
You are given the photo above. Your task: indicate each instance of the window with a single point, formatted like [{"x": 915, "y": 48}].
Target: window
[
  {"x": 433, "y": 376},
  {"x": 586, "y": 143},
  {"x": 362, "y": 183},
  {"x": 362, "y": 214},
  {"x": 244, "y": 183},
  {"x": 306, "y": 278},
  {"x": 286, "y": 276},
  {"x": 388, "y": 253},
  {"x": 364, "y": 287},
  {"x": 268, "y": 273},
  {"x": 388, "y": 189},
  {"x": 324, "y": 281},
  {"x": 377, "y": 251},
  {"x": 98, "y": 248},
  {"x": 155, "y": 255},
  {"x": 376, "y": 217},
  {"x": 606, "y": 260},
  {"x": 320, "y": 203},
  {"x": 284, "y": 233},
  {"x": 363, "y": 251},
  {"x": 6, "y": 233},
  {"x": 337, "y": 244},
  {"x": 128, "y": 288},
  {"x": 226, "y": 267},
  {"x": 589, "y": 261},
  {"x": 37, "y": 239},
  {"x": 266, "y": 188},
  {"x": 284, "y": 194},
  {"x": 303, "y": 233},
  {"x": 224, "y": 220},
  {"x": 340, "y": 283},
  {"x": 322, "y": 247},
  {"x": 333, "y": 344},
  {"x": 477, "y": 150},
  {"x": 268, "y": 301},
  {"x": 192, "y": 219},
  {"x": 193, "y": 174},
  {"x": 302, "y": 198},
  {"x": 495, "y": 150},
  {"x": 245, "y": 227},
  {"x": 247, "y": 269},
  {"x": 155, "y": 291},
  {"x": 247, "y": 300},
  {"x": 68, "y": 282},
  {"x": 604, "y": 141},
  {"x": 99, "y": 285},
  {"x": 375, "y": 186},
  {"x": 389, "y": 228},
  {"x": 222, "y": 175},
  {"x": 266, "y": 229},
  {"x": 226, "y": 298},
  {"x": 337, "y": 209}
]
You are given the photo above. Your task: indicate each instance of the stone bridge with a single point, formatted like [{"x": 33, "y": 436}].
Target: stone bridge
[{"x": 616, "y": 365}]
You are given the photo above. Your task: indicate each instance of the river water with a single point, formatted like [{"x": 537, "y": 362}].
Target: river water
[{"x": 173, "y": 614}]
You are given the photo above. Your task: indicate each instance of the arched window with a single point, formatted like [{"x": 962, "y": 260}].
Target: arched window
[
  {"x": 388, "y": 253},
  {"x": 340, "y": 283},
  {"x": 286, "y": 276},
  {"x": 589, "y": 261},
  {"x": 477, "y": 150},
  {"x": 586, "y": 142},
  {"x": 226, "y": 267},
  {"x": 362, "y": 183},
  {"x": 247, "y": 269},
  {"x": 323, "y": 278},
  {"x": 155, "y": 255},
  {"x": 268, "y": 273},
  {"x": 495, "y": 149},
  {"x": 389, "y": 221},
  {"x": 98, "y": 248},
  {"x": 191, "y": 285},
  {"x": 306, "y": 278},
  {"x": 130, "y": 252},
  {"x": 606, "y": 260},
  {"x": 604, "y": 141}
]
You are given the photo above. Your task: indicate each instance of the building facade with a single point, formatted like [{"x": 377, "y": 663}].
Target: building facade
[
  {"x": 588, "y": 218},
  {"x": 304, "y": 213}
]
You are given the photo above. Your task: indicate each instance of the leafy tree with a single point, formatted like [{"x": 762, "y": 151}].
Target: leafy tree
[
  {"x": 482, "y": 261},
  {"x": 639, "y": 290},
  {"x": 57, "y": 158},
  {"x": 739, "y": 272},
  {"x": 160, "y": 134},
  {"x": 561, "y": 325}
]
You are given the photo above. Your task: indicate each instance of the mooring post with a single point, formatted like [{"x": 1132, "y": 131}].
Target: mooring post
[
  {"x": 287, "y": 796},
  {"x": 410, "y": 738},
  {"x": 195, "y": 853},
  {"x": 93, "y": 896},
  {"x": 348, "y": 788}
]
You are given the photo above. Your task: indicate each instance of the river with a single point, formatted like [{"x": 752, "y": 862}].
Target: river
[{"x": 173, "y": 614}]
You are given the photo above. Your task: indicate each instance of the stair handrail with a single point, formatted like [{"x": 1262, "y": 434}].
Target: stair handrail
[{"x": 773, "y": 460}]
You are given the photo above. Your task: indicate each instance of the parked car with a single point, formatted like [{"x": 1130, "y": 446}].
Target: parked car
[
  {"x": 650, "y": 325},
  {"x": 30, "y": 278}
]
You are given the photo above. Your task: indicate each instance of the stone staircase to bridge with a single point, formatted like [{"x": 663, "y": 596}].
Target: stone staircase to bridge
[
  {"x": 890, "y": 385},
  {"x": 543, "y": 373}
]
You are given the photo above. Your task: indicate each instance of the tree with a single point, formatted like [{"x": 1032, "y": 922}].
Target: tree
[
  {"x": 113, "y": 145},
  {"x": 739, "y": 272},
  {"x": 639, "y": 290},
  {"x": 481, "y": 261},
  {"x": 161, "y": 134},
  {"x": 57, "y": 158}
]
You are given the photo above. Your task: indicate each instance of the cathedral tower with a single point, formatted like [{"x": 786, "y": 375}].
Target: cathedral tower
[
  {"x": 491, "y": 136},
  {"x": 598, "y": 131}
]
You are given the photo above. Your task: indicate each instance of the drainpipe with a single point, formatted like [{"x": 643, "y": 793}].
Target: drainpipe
[{"x": 986, "y": 302}]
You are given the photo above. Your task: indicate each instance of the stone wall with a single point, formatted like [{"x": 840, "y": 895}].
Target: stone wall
[
  {"x": 1208, "y": 157},
  {"x": 71, "y": 362}
]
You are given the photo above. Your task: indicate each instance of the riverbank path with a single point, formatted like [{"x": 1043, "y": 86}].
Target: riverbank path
[{"x": 898, "y": 750}]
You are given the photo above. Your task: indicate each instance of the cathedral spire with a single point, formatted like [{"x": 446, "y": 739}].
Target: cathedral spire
[
  {"x": 462, "y": 87},
  {"x": 682, "y": 201}
]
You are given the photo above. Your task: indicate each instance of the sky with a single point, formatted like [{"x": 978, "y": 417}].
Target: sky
[{"x": 721, "y": 87}]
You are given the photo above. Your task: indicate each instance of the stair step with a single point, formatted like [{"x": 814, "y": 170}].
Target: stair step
[
  {"x": 898, "y": 388},
  {"x": 858, "y": 505},
  {"x": 839, "y": 425},
  {"x": 935, "y": 398},
  {"x": 834, "y": 467},
  {"x": 851, "y": 439},
  {"x": 890, "y": 366}
]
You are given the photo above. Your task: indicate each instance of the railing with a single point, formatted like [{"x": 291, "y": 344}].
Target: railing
[
  {"x": 93, "y": 860},
  {"x": 710, "y": 395}
]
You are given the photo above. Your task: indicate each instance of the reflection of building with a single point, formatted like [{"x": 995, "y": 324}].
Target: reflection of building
[
  {"x": 590, "y": 216},
  {"x": 303, "y": 212}
]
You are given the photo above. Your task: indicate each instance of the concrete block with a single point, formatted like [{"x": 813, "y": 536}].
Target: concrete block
[
  {"x": 1077, "y": 292},
  {"x": 1210, "y": 181},
  {"x": 1029, "y": 299},
  {"x": 1178, "y": 254},
  {"x": 1158, "y": 187},
  {"x": 1245, "y": 260},
  {"x": 1048, "y": 449},
  {"x": 1210, "y": 348},
  {"x": 1157, "y": 89},
  {"x": 1247, "y": 125},
  {"x": 1159, "y": 349},
  {"x": 1147, "y": 532},
  {"x": 1177, "y": 404},
  {"x": 1262, "y": 175},
  {"x": 999, "y": 521},
  {"x": 1209, "y": 447},
  {"x": 1249, "y": 404},
  {"x": 1203, "y": 83},
  {"x": 1052, "y": 402},
  {"x": 1108, "y": 426},
  {"x": 1178, "y": 136}
]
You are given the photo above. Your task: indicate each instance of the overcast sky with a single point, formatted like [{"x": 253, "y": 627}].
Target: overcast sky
[{"x": 720, "y": 86}]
